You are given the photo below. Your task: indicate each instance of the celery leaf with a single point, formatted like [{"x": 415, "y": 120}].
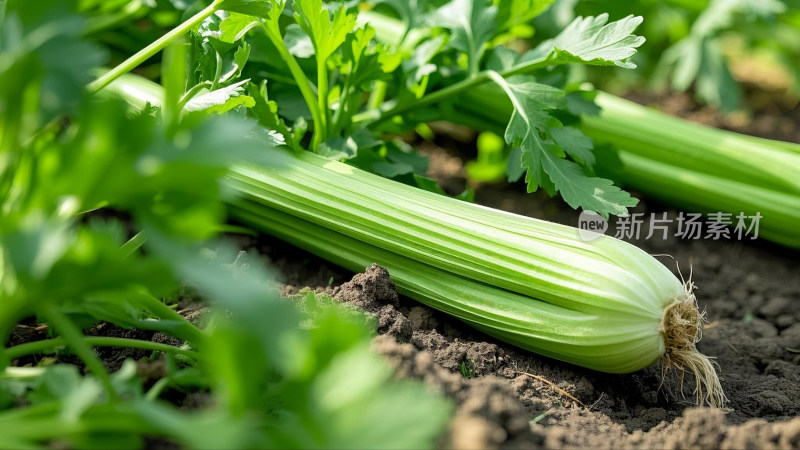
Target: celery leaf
[
  {"x": 410, "y": 11},
  {"x": 532, "y": 130},
  {"x": 257, "y": 8},
  {"x": 511, "y": 13},
  {"x": 220, "y": 100},
  {"x": 327, "y": 32},
  {"x": 471, "y": 24},
  {"x": 591, "y": 40}
]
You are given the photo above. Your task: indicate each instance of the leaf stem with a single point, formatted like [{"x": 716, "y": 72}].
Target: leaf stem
[
  {"x": 147, "y": 52},
  {"x": 72, "y": 336},
  {"x": 31, "y": 348},
  {"x": 322, "y": 96},
  {"x": 130, "y": 11},
  {"x": 303, "y": 83},
  {"x": 187, "y": 330},
  {"x": 339, "y": 117},
  {"x": 217, "y": 71},
  {"x": 377, "y": 96},
  {"x": 374, "y": 117}
]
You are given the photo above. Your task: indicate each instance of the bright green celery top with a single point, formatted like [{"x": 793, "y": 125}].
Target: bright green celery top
[
  {"x": 683, "y": 163},
  {"x": 597, "y": 304}
]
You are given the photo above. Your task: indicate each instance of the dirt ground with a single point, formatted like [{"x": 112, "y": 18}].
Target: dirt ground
[{"x": 509, "y": 398}]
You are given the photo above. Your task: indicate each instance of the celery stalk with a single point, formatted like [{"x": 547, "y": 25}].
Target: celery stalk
[
  {"x": 686, "y": 164},
  {"x": 602, "y": 304}
]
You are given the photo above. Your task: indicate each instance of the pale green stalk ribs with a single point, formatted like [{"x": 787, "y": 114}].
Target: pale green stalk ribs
[{"x": 603, "y": 304}]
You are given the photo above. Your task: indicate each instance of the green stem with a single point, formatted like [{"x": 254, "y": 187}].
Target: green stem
[
  {"x": 133, "y": 244},
  {"x": 377, "y": 96},
  {"x": 72, "y": 336},
  {"x": 340, "y": 115},
  {"x": 49, "y": 427},
  {"x": 217, "y": 72},
  {"x": 21, "y": 373},
  {"x": 46, "y": 346},
  {"x": 157, "y": 388},
  {"x": 187, "y": 331},
  {"x": 303, "y": 83},
  {"x": 322, "y": 96},
  {"x": 29, "y": 413},
  {"x": 374, "y": 117},
  {"x": 130, "y": 11},
  {"x": 147, "y": 52}
]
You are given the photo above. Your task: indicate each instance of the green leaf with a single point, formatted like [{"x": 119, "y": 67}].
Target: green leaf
[
  {"x": 514, "y": 169},
  {"x": 266, "y": 112},
  {"x": 471, "y": 24},
  {"x": 419, "y": 65},
  {"x": 361, "y": 57},
  {"x": 590, "y": 40},
  {"x": 235, "y": 67},
  {"x": 582, "y": 102},
  {"x": 235, "y": 26},
  {"x": 41, "y": 52},
  {"x": 528, "y": 123},
  {"x": 257, "y": 8},
  {"x": 501, "y": 58},
  {"x": 173, "y": 78},
  {"x": 511, "y": 13},
  {"x": 220, "y": 100},
  {"x": 591, "y": 193},
  {"x": 573, "y": 141},
  {"x": 327, "y": 32},
  {"x": 529, "y": 130},
  {"x": 298, "y": 42},
  {"x": 411, "y": 12},
  {"x": 339, "y": 148},
  {"x": 715, "y": 84}
]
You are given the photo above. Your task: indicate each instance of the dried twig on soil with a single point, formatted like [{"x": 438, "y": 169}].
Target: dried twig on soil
[{"x": 554, "y": 386}]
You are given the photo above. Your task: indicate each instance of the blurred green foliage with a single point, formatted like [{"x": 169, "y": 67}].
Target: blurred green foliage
[
  {"x": 107, "y": 210},
  {"x": 692, "y": 45}
]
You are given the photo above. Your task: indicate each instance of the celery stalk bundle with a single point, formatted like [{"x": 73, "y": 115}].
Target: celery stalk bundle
[
  {"x": 682, "y": 163},
  {"x": 604, "y": 304}
]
